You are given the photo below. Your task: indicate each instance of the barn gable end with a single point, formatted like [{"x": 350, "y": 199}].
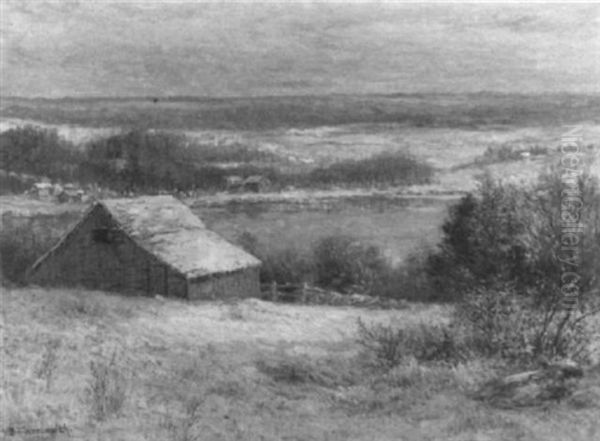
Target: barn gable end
[{"x": 98, "y": 254}]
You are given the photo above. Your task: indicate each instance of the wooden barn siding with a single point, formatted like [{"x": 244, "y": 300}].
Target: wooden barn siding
[
  {"x": 241, "y": 283},
  {"x": 122, "y": 266}
]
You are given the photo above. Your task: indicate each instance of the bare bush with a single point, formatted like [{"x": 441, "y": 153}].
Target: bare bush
[
  {"x": 391, "y": 345},
  {"x": 513, "y": 327}
]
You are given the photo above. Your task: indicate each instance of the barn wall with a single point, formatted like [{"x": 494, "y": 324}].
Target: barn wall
[
  {"x": 120, "y": 265},
  {"x": 242, "y": 283}
]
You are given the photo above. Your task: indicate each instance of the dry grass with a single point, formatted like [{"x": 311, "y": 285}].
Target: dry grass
[{"x": 259, "y": 371}]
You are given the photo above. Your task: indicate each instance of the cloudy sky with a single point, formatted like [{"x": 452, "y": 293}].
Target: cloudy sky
[{"x": 164, "y": 48}]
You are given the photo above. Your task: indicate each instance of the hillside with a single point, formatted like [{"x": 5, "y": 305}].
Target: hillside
[{"x": 249, "y": 370}]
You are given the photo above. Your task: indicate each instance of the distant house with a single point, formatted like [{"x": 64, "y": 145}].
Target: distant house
[
  {"x": 256, "y": 184},
  {"x": 234, "y": 184},
  {"x": 70, "y": 193},
  {"x": 148, "y": 245},
  {"x": 42, "y": 190}
]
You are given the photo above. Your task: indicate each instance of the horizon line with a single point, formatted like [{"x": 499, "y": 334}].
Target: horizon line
[{"x": 308, "y": 95}]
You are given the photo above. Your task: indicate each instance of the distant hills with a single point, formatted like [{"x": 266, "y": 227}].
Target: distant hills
[{"x": 477, "y": 110}]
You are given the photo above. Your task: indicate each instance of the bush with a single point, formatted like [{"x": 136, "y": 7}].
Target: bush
[
  {"x": 408, "y": 281},
  {"x": 286, "y": 266},
  {"x": 140, "y": 161},
  {"x": 383, "y": 169},
  {"x": 502, "y": 256},
  {"x": 507, "y": 233},
  {"x": 344, "y": 264},
  {"x": 508, "y": 325},
  {"x": 38, "y": 151},
  {"x": 390, "y": 346}
]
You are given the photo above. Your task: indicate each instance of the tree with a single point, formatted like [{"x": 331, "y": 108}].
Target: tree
[
  {"x": 39, "y": 152},
  {"x": 503, "y": 255}
]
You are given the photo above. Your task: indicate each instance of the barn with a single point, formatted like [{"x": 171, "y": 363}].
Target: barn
[{"x": 148, "y": 245}]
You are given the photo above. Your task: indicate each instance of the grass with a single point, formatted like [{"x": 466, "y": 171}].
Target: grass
[{"x": 265, "y": 372}]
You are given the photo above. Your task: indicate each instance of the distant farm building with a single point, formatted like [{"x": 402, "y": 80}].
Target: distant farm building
[
  {"x": 256, "y": 184},
  {"x": 234, "y": 184},
  {"x": 70, "y": 193},
  {"x": 148, "y": 245},
  {"x": 42, "y": 190}
]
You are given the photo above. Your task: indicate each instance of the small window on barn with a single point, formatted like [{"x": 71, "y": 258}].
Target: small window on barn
[{"x": 105, "y": 235}]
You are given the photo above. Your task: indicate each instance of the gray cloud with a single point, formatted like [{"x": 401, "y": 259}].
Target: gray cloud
[{"x": 107, "y": 48}]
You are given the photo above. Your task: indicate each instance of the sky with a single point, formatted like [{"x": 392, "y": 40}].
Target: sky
[{"x": 108, "y": 48}]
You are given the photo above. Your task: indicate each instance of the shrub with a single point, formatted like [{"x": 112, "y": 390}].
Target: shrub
[
  {"x": 511, "y": 326},
  {"x": 502, "y": 256},
  {"x": 505, "y": 233},
  {"x": 344, "y": 264},
  {"x": 382, "y": 169},
  {"x": 408, "y": 281},
  {"x": 38, "y": 151},
  {"x": 107, "y": 389},
  {"x": 286, "y": 266},
  {"x": 140, "y": 161},
  {"x": 390, "y": 346}
]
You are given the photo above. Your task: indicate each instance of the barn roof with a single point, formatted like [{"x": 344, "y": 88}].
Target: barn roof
[
  {"x": 169, "y": 230},
  {"x": 150, "y": 215}
]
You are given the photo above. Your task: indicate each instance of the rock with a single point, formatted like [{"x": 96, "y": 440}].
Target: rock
[
  {"x": 554, "y": 382},
  {"x": 585, "y": 398}
]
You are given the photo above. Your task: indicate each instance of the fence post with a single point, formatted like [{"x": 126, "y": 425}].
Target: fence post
[{"x": 274, "y": 291}]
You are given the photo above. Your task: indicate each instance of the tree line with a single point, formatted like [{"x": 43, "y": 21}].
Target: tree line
[{"x": 147, "y": 161}]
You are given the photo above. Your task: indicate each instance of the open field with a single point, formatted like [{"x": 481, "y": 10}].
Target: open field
[
  {"x": 217, "y": 371},
  {"x": 397, "y": 226}
]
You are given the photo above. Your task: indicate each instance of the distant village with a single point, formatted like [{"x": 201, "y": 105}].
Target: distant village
[{"x": 64, "y": 193}]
